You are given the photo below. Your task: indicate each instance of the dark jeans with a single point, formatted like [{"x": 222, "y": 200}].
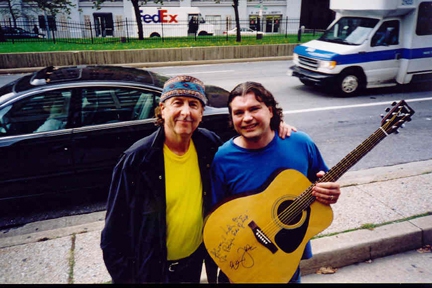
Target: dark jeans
[{"x": 187, "y": 270}]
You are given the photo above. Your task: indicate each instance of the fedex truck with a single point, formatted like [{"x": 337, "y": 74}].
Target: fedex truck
[
  {"x": 371, "y": 43},
  {"x": 174, "y": 22}
]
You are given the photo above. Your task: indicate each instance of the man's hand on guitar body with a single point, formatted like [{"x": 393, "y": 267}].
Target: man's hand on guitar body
[{"x": 326, "y": 192}]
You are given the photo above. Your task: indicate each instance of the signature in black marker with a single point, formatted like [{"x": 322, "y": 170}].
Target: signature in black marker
[{"x": 246, "y": 260}]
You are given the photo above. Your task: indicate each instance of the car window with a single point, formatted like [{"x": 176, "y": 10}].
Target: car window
[
  {"x": 110, "y": 105},
  {"x": 37, "y": 113}
]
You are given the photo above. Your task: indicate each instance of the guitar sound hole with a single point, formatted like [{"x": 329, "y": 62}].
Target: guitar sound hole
[{"x": 286, "y": 213}]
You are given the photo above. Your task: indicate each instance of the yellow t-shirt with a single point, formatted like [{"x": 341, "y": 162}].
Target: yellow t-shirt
[{"x": 184, "y": 203}]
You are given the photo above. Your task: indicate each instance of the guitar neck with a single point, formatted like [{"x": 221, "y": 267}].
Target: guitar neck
[
  {"x": 306, "y": 199},
  {"x": 354, "y": 156}
]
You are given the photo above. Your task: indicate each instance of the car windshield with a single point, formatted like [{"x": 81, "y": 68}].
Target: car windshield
[
  {"x": 23, "y": 83},
  {"x": 349, "y": 30},
  {"x": 7, "y": 88},
  {"x": 19, "y": 85}
]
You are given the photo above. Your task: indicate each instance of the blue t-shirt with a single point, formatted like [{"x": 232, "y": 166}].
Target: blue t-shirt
[{"x": 237, "y": 170}]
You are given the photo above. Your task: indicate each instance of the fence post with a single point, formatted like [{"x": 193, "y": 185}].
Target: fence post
[
  {"x": 91, "y": 32},
  {"x": 162, "y": 31},
  {"x": 286, "y": 27},
  {"x": 10, "y": 25},
  {"x": 127, "y": 30},
  {"x": 300, "y": 32},
  {"x": 226, "y": 28},
  {"x": 53, "y": 36}
]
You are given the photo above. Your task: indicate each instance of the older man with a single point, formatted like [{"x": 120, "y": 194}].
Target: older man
[{"x": 160, "y": 191}]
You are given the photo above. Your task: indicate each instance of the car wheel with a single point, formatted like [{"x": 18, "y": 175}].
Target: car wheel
[
  {"x": 349, "y": 83},
  {"x": 153, "y": 35}
]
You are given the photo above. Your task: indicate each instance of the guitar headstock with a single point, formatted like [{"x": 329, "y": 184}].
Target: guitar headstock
[{"x": 396, "y": 117}]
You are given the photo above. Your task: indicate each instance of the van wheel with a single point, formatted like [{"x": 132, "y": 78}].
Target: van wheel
[
  {"x": 203, "y": 33},
  {"x": 349, "y": 83},
  {"x": 153, "y": 35}
]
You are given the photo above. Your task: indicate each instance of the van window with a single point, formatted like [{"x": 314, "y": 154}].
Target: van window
[
  {"x": 349, "y": 30},
  {"x": 387, "y": 34},
  {"x": 424, "y": 20}
]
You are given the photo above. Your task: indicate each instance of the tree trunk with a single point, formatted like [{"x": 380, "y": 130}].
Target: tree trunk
[
  {"x": 135, "y": 4},
  {"x": 237, "y": 20}
]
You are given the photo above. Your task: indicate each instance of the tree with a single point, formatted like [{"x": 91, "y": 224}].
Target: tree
[
  {"x": 16, "y": 8},
  {"x": 13, "y": 8},
  {"x": 52, "y": 7},
  {"x": 237, "y": 20},
  {"x": 135, "y": 5}
]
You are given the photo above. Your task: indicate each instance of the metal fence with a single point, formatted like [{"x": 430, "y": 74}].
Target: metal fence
[{"x": 125, "y": 31}]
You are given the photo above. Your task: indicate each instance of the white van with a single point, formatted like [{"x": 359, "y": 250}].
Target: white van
[
  {"x": 371, "y": 43},
  {"x": 174, "y": 22}
]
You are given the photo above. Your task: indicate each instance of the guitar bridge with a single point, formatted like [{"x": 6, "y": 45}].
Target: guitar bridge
[{"x": 262, "y": 238}]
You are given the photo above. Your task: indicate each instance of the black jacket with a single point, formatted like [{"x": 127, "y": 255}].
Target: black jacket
[{"x": 133, "y": 240}]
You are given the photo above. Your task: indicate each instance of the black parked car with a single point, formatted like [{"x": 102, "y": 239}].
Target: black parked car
[
  {"x": 19, "y": 33},
  {"x": 63, "y": 129}
]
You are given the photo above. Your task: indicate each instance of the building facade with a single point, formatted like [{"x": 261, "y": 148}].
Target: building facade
[{"x": 263, "y": 15}]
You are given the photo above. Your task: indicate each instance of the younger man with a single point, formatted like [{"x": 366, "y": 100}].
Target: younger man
[{"x": 246, "y": 162}]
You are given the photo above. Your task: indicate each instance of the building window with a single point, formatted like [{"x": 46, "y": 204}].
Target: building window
[
  {"x": 87, "y": 21},
  {"x": 216, "y": 20},
  {"x": 63, "y": 23},
  {"x": 119, "y": 23}
]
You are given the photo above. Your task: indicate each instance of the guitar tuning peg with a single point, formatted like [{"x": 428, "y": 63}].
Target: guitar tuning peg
[
  {"x": 396, "y": 131},
  {"x": 382, "y": 116},
  {"x": 402, "y": 126},
  {"x": 387, "y": 109},
  {"x": 394, "y": 104}
]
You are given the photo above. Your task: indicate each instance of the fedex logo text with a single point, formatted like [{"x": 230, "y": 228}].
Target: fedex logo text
[{"x": 161, "y": 17}]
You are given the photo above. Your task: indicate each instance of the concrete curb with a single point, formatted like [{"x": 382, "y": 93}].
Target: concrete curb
[
  {"x": 361, "y": 245},
  {"x": 52, "y": 229}
]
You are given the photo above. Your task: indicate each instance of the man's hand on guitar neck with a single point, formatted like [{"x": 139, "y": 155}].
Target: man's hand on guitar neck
[{"x": 326, "y": 192}]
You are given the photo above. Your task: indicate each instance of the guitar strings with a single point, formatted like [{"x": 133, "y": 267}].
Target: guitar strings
[{"x": 305, "y": 199}]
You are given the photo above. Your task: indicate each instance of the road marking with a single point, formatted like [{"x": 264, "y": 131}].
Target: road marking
[
  {"x": 203, "y": 72},
  {"x": 352, "y": 106}
]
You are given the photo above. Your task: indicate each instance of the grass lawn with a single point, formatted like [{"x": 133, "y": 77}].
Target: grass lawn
[{"x": 48, "y": 45}]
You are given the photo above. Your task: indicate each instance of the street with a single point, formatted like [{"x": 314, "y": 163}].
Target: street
[{"x": 408, "y": 267}]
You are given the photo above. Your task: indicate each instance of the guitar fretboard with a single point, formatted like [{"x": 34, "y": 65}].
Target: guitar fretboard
[{"x": 305, "y": 199}]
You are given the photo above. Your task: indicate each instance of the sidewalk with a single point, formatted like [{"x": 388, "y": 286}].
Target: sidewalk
[{"x": 66, "y": 250}]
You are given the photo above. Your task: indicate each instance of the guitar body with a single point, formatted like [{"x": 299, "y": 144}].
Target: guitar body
[{"x": 260, "y": 238}]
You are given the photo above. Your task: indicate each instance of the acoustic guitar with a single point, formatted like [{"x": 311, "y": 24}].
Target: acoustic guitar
[{"x": 260, "y": 238}]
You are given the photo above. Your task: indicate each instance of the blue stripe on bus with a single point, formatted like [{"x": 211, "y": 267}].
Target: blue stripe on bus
[{"x": 384, "y": 55}]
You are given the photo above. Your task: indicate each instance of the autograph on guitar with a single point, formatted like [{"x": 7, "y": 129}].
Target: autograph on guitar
[{"x": 261, "y": 238}]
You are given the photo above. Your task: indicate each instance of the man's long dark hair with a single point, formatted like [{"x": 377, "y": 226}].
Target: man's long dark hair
[{"x": 262, "y": 95}]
